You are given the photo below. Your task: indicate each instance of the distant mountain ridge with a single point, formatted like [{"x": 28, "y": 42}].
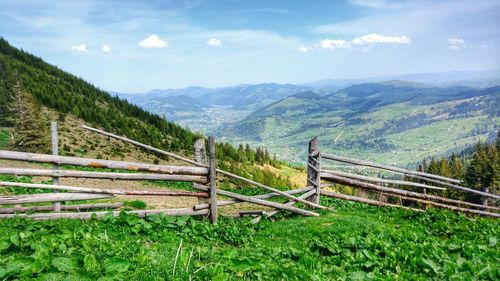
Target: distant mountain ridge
[
  {"x": 179, "y": 104},
  {"x": 250, "y": 97},
  {"x": 481, "y": 79},
  {"x": 237, "y": 96}
]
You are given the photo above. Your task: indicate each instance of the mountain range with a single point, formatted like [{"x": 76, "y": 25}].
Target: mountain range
[{"x": 395, "y": 121}]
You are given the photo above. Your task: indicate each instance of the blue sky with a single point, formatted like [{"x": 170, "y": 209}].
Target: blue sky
[{"x": 134, "y": 46}]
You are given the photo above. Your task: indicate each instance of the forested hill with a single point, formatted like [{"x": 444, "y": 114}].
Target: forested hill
[
  {"x": 49, "y": 86},
  {"x": 30, "y": 89}
]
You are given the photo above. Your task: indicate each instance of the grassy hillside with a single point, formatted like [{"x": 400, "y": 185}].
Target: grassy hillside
[
  {"x": 396, "y": 123},
  {"x": 356, "y": 242}
]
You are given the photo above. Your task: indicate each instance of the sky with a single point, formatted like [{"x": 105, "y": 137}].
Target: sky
[{"x": 137, "y": 46}]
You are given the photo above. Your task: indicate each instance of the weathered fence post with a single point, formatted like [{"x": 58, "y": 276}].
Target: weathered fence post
[
  {"x": 55, "y": 167},
  {"x": 213, "y": 179},
  {"x": 314, "y": 170},
  {"x": 484, "y": 200},
  {"x": 421, "y": 168},
  {"x": 200, "y": 156}
]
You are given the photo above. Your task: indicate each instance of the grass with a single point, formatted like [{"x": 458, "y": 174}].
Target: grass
[{"x": 356, "y": 242}]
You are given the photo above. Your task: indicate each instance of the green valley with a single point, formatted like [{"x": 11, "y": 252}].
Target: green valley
[
  {"x": 395, "y": 122},
  {"x": 389, "y": 122}
]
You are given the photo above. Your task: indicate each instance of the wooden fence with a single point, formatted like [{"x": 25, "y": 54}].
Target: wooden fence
[
  {"x": 202, "y": 173},
  {"x": 389, "y": 187}
]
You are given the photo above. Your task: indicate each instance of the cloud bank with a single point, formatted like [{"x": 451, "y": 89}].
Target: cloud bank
[{"x": 366, "y": 41}]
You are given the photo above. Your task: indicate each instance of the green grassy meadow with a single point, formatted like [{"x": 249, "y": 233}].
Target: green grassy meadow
[{"x": 353, "y": 242}]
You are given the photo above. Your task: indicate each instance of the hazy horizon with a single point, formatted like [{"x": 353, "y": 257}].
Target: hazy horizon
[{"x": 375, "y": 79}]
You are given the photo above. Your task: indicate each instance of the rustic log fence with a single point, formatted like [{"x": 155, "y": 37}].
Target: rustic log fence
[
  {"x": 378, "y": 185},
  {"x": 203, "y": 174}
]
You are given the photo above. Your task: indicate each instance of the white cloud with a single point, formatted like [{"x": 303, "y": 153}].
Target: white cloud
[
  {"x": 330, "y": 44},
  {"x": 456, "y": 44},
  {"x": 303, "y": 49},
  {"x": 214, "y": 42},
  {"x": 82, "y": 48},
  {"x": 106, "y": 48},
  {"x": 153, "y": 42},
  {"x": 374, "y": 38},
  {"x": 365, "y": 41}
]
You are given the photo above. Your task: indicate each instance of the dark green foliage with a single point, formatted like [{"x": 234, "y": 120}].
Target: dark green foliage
[
  {"x": 247, "y": 155},
  {"x": 484, "y": 168}
]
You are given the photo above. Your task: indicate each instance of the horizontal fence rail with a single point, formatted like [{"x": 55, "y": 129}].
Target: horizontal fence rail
[
  {"x": 401, "y": 192},
  {"x": 103, "y": 191},
  {"x": 99, "y": 163},
  {"x": 466, "y": 189},
  {"x": 79, "y": 207},
  {"x": 101, "y": 175},
  {"x": 89, "y": 215},
  {"x": 50, "y": 197},
  {"x": 379, "y": 180}
]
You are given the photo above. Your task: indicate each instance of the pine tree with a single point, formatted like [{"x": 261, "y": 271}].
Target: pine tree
[{"x": 456, "y": 167}]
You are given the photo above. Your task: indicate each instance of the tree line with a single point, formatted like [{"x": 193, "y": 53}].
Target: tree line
[{"x": 478, "y": 169}]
